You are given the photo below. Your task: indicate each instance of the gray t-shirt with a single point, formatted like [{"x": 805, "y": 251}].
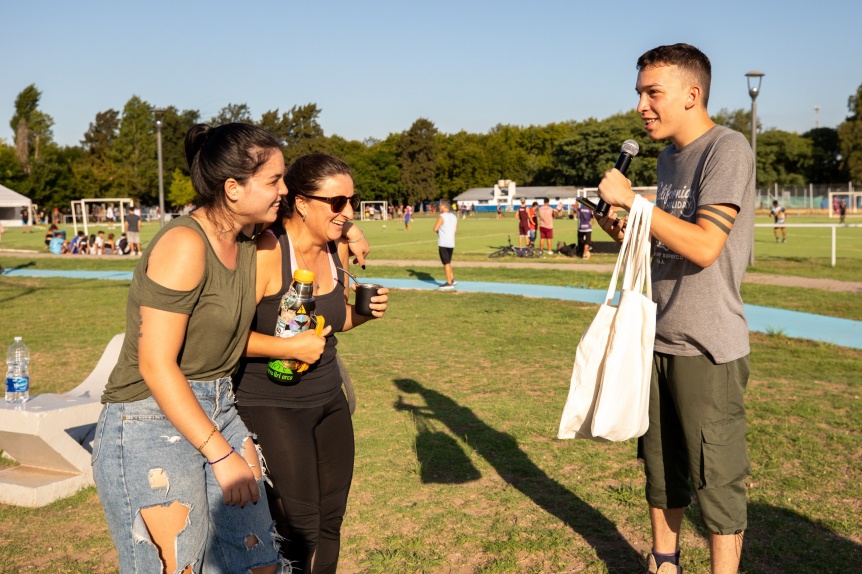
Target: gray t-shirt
[{"x": 700, "y": 310}]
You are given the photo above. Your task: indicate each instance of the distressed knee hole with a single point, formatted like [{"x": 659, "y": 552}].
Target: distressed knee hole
[
  {"x": 251, "y": 541},
  {"x": 160, "y": 526},
  {"x": 158, "y": 479}
]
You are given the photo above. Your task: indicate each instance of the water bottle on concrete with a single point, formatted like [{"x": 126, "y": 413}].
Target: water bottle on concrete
[{"x": 17, "y": 373}]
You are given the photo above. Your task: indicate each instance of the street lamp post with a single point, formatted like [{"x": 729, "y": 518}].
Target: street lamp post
[
  {"x": 753, "y": 91},
  {"x": 156, "y": 113}
]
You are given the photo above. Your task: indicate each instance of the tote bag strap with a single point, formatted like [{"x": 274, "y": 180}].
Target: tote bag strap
[
  {"x": 642, "y": 274},
  {"x": 633, "y": 234},
  {"x": 620, "y": 264}
]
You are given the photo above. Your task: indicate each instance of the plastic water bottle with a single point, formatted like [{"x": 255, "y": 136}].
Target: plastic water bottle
[
  {"x": 17, "y": 375},
  {"x": 294, "y": 316}
]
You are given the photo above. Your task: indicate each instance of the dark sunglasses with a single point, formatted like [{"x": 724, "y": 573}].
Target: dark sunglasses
[{"x": 337, "y": 203}]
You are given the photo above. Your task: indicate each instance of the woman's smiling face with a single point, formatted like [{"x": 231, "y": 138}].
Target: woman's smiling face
[{"x": 319, "y": 217}]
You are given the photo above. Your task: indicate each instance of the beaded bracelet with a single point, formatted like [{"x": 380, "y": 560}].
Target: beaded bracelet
[
  {"x": 232, "y": 450},
  {"x": 361, "y": 237},
  {"x": 204, "y": 443}
]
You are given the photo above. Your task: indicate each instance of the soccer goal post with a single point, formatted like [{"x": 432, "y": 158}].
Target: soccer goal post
[
  {"x": 79, "y": 209},
  {"x": 374, "y": 210}
]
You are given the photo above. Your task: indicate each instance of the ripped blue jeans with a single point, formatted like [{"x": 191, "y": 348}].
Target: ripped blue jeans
[{"x": 140, "y": 460}]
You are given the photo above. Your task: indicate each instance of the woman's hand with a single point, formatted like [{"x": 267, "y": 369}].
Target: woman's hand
[
  {"x": 356, "y": 243},
  {"x": 306, "y": 346},
  {"x": 379, "y": 302},
  {"x": 236, "y": 480}
]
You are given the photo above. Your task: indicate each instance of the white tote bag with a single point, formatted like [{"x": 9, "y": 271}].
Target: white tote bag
[{"x": 609, "y": 390}]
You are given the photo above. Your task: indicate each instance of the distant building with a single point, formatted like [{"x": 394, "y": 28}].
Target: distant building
[{"x": 506, "y": 194}]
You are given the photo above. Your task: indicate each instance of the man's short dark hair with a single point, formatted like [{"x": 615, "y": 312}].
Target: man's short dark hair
[{"x": 687, "y": 58}]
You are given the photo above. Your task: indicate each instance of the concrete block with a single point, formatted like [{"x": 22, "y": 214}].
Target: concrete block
[{"x": 50, "y": 437}]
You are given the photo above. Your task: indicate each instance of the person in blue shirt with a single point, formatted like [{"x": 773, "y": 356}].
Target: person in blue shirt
[{"x": 55, "y": 246}]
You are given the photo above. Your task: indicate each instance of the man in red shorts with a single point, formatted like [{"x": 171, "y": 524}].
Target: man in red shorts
[{"x": 546, "y": 225}]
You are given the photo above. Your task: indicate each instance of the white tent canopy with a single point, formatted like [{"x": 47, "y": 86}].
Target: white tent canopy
[{"x": 11, "y": 203}]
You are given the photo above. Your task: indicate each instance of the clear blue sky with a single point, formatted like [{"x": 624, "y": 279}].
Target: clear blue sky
[{"x": 374, "y": 67}]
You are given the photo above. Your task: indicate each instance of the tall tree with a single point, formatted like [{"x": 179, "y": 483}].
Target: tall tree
[
  {"x": 175, "y": 126},
  {"x": 850, "y": 134},
  {"x": 738, "y": 119},
  {"x": 232, "y": 113},
  {"x": 134, "y": 153},
  {"x": 94, "y": 173},
  {"x": 180, "y": 191},
  {"x": 376, "y": 173},
  {"x": 417, "y": 155},
  {"x": 31, "y": 126},
  {"x": 782, "y": 158},
  {"x": 301, "y": 131},
  {"x": 825, "y": 166},
  {"x": 583, "y": 158}
]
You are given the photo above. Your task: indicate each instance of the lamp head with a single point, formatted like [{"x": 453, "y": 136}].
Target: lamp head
[{"x": 753, "y": 91}]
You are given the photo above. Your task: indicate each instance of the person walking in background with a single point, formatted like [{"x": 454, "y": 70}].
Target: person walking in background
[
  {"x": 132, "y": 227},
  {"x": 546, "y": 225},
  {"x": 585, "y": 230},
  {"x": 842, "y": 210},
  {"x": 175, "y": 468},
  {"x": 702, "y": 230},
  {"x": 445, "y": 228},
  {"x": 110, "y": 215},
  {"x": 779, "y": 215},
  {"x": 408, "y": 215},
  {"x": 304, "y": 428}
]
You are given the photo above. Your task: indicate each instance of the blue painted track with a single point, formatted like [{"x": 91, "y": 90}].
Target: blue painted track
[{"x": 843, "y": 332}]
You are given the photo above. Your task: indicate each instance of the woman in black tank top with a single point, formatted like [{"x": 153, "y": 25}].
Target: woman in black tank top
[{"x": 304, "y": 429}]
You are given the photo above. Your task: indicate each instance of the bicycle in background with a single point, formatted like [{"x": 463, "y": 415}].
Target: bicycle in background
[{"x": 511, "y": 250}]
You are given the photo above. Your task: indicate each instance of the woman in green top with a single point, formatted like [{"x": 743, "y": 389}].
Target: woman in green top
[{"x": 174, "y": 465}]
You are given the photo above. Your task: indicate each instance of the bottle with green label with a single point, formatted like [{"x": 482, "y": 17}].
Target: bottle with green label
[{"x": 295, "y": 315}]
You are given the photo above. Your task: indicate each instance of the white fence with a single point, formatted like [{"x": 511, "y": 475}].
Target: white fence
[{"x": 831, "y": 225}]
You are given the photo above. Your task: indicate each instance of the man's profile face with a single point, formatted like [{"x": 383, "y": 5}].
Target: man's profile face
[{"x": 664, "y": 94}]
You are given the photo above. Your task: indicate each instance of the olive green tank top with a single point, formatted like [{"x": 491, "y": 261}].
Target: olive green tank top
[{"x": 220, "y": 310}]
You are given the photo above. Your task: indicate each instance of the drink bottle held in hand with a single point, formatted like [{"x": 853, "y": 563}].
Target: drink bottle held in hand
[
  {"x": 295, "y": 315},
  {"x": 17, "y": 373}
]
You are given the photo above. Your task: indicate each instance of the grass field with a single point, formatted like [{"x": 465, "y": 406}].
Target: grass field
[{"x": 459, "y": 397}]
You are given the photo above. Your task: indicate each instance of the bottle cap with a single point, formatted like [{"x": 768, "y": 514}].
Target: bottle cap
[
  {"x": 17, "y": 339},
  {"x": 303, "y": 276}
]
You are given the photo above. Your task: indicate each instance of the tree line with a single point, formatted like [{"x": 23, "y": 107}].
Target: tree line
[{"x": 116, "y": 156}]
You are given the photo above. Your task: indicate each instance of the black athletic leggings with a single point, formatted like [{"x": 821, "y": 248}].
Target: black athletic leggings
[{"x": 309, "y": 454}]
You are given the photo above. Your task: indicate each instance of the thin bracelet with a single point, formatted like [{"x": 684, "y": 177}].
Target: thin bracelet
[
  {"x": 232, "y": 450},
  {"x": 361, "y": 237},
  {"x": 204, "y": 443}
]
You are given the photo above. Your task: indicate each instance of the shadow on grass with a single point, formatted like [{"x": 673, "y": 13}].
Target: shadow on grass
[
  {"x": 501, "y": 451},
  {"x": 422, "y": 276},
  {"x": 779, "y": 540}
]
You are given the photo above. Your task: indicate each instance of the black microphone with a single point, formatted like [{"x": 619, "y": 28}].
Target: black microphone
[{"x": 630, "y": 148}]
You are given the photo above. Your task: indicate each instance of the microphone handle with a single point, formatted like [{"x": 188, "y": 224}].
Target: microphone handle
[{"x": 622, "y": 165}]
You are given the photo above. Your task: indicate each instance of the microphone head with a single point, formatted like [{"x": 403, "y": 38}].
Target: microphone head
[{"x": 631, "y": 147}]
